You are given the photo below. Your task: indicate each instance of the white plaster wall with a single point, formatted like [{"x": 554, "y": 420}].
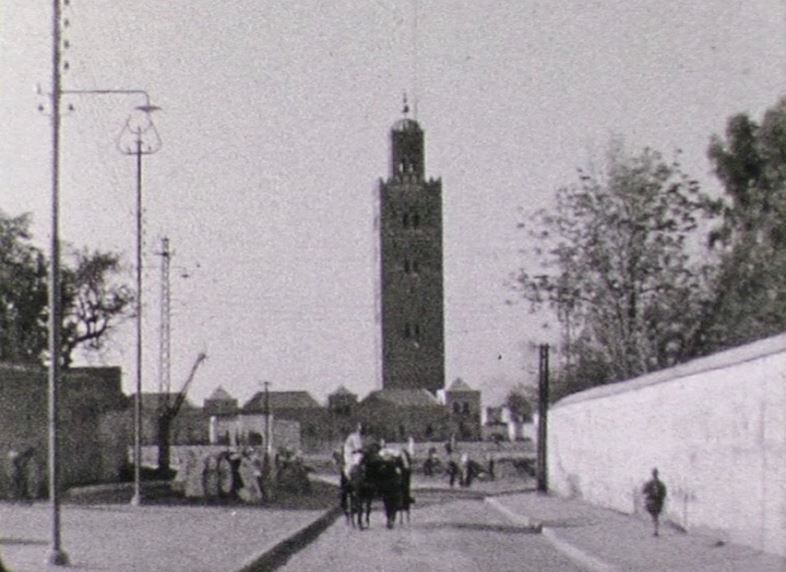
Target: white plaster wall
[{"x": 715, "y": 428}]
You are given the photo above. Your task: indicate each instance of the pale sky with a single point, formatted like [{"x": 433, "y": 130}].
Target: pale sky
[{"x": 275, "y": 128}]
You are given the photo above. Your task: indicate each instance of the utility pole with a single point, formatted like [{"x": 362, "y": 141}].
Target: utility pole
[
  {"x": 57, "y": 555},
  {"x": 543, "y": 407},
  {"x": 165, "y": 348},
  {"x": 164, "y": 409},
  {"x": 268, "y": 445}
]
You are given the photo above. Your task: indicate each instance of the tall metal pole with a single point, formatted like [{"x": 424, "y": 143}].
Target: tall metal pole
[
  {"x": 57, "y": 555},
  {"x": 136, "y": 500},
  {"x": 138, "y": 149},
  {"x": 543, "y": 407},
  {"x": 165, "y": 346}
]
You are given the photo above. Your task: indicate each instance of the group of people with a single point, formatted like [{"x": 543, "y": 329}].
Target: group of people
[
  {"x": 460, "y": 468},
  {"x": 243, "y": 473},
  {"x": 370, "y": 468},
  {"x": 214, "y": 475},
  {"x": 25, "y": 474},
  {"x": 464, "y": 470},
  {"x": 355, "y": 446}
]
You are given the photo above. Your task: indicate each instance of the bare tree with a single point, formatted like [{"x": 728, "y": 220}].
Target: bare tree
[{"x": 95, "y": 300}]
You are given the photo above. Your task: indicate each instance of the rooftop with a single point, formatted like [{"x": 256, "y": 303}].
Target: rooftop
[
  {"x": 341, "y": 390},
  {"x": 460, "y": 385},
  {"x": 403, "y": 397},
  {"x": 220, "y": 394},
  {"x": 281, "y": 400},
  {"x": 153, "y": 399}
]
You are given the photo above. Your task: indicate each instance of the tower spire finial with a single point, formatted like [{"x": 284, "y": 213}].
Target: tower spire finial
[{"x": 405, "y": 108}]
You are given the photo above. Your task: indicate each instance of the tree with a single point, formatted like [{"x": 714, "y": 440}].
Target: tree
[
  {"x": 94, "y": 301},
  {"x": 616, "y": 268},
  {"x": 93, "y": 297},
  {"x": 520, "y": 400},
  {"x": 750, "y": 162},
  {"x": 23, "y": 292}
]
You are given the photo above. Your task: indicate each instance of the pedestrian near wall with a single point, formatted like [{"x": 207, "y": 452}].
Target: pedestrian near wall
[{"x": 654, "y": 496}]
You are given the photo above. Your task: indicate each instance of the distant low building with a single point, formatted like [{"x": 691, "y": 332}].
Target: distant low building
[
  {"x": 297, "y": 406},
  {"x": 463, "y": 404},
  {"x": 398, "y": 414},
  {"x": 94, "y": 436},
  {"x": 501, "y": 422},
  {"x": 220, "y": 402}
]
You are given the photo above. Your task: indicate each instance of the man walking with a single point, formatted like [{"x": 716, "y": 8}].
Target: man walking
[
  {"x": 654, "y": 496},
  {"x": 353, "y": 449}
]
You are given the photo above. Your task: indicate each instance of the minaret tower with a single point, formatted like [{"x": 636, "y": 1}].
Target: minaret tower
[{"x": 413, "y": 334}]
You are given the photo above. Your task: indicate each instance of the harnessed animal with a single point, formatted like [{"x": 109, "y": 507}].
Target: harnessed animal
[{"x": 381, "y": 477}]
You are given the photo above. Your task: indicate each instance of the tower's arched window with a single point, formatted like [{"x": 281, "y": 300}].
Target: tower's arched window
[
  {"x": 405, "y": 220},
  {"x": 415, "y": 220}
]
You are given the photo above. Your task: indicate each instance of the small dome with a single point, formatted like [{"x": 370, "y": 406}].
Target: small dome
[{"x": 406, "y": 124}]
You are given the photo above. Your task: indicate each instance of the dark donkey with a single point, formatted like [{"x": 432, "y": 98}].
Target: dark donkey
[{"x": 377, "y": 477}]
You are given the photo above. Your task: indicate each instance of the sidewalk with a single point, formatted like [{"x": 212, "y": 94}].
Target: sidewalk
[
  {"x": 122, "y": 538},
  {"x": 600, "y": 539}
]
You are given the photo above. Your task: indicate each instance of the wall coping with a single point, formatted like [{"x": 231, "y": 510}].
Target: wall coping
[{"x": 723, "y": 359}]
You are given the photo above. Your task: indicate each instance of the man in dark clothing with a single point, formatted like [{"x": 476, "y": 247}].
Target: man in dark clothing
[{"x": 654, "y": 496}]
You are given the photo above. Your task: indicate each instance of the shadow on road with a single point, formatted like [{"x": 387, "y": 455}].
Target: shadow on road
[
  {"x": 321, "y": 496},
  {"x": 475, "y": 527},
  {"x": 23, "y": 541}
]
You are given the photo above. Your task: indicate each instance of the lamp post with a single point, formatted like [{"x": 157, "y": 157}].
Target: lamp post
[
  {"x": 144, "y": 141},
  {"x": 57, "y": 556},
  {"x": 543, "y": 407}
]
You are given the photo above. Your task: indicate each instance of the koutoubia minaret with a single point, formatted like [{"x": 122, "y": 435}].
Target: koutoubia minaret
[{"x": 410, "y": 223}]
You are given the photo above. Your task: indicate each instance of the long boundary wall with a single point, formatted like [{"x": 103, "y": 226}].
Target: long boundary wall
[{"x": 715, "y": 428}]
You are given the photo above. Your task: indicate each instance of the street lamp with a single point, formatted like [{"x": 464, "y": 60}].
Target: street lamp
[
  {"x": 139, "y": 137},
  {"x": 57, "y": 556}
]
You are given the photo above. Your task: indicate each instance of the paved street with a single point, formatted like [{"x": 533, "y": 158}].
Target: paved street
[
  {"x": 444, "y": 534},
  {"x": 102, "y": 532}
]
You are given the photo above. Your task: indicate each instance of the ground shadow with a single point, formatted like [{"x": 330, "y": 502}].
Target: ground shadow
[
  {"x": 475, "y": 527},
  {"x": 22, "y": 541},
  {"x": 321, "y": 496}
]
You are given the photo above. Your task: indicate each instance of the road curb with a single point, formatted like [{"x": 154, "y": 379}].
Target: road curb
[
  {"x": 86, "y": 490},
  {"x": 278, "y": 554},
  {"x": 518, "y": 519},
  {"x": 576, "y": 554}
]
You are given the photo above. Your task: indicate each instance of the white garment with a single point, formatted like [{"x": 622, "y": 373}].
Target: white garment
[{"x": 353, "y": 447}]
